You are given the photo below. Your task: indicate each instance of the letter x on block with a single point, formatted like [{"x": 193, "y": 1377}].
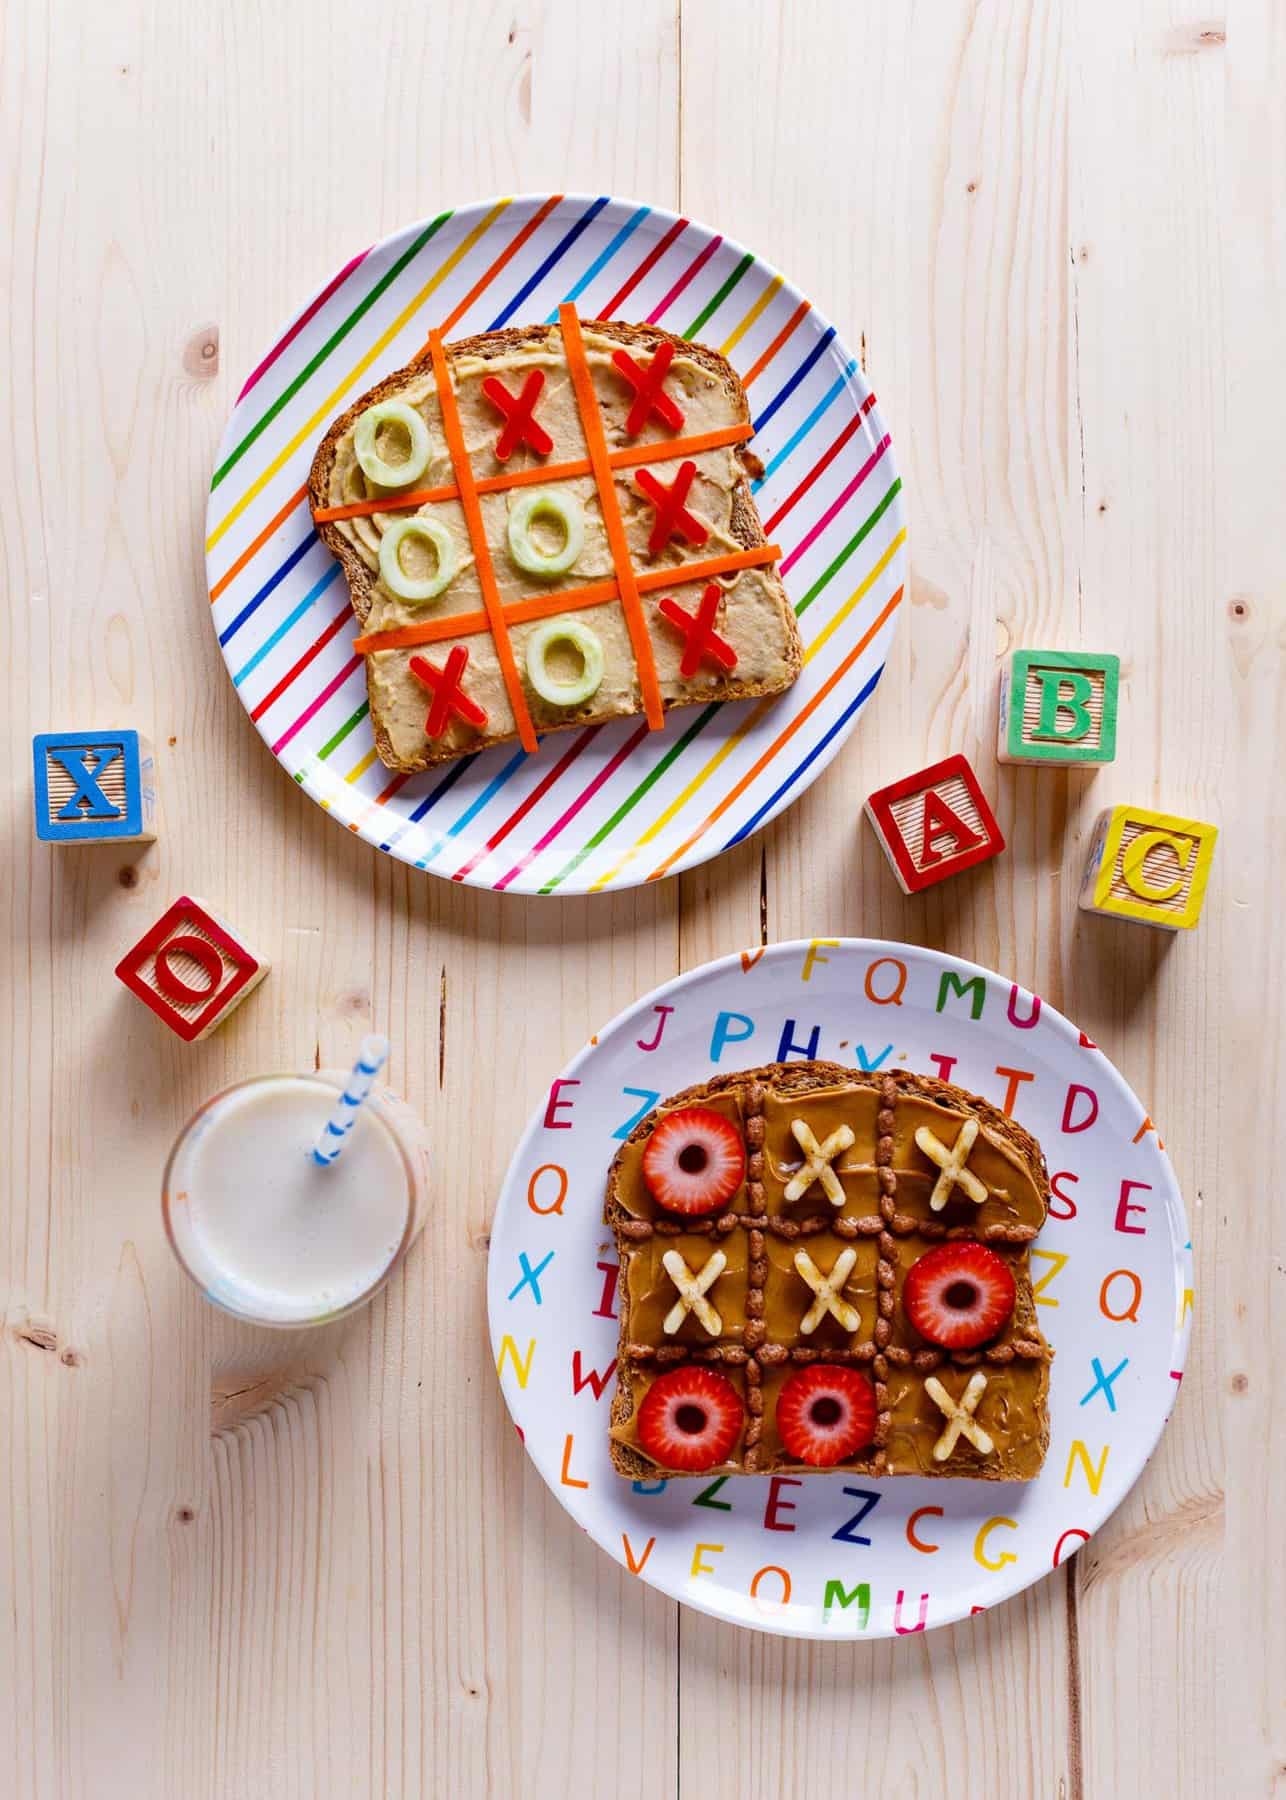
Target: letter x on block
[
  {"x": 934, "y": 823},
  {"x": 190, "y": 970},
  {"x": 92, "y": 787}
]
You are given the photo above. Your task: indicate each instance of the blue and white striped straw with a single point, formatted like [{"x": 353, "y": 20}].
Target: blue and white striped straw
[{"x": 372, "y": 1054}]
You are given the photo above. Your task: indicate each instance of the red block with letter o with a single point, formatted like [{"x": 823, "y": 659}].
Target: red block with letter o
[
  {"x": 934, "y": 823},
  {"x": 190, "y": 969}
]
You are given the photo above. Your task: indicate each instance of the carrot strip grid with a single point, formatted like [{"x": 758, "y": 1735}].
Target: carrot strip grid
[
  {"x": 544, "y": 606},
  {"x": 477, "y": 532},
  {"x": 596, "y": 442},
  {"x": 626, "y": 458}
]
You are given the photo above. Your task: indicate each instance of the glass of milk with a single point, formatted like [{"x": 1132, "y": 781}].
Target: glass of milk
[{"x": 266, "y": 1233}]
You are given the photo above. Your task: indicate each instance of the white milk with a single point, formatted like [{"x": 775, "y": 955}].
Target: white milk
[{"x": 269, "y": 1234}]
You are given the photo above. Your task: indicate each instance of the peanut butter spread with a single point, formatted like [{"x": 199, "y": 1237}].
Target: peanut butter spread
[
  {"x": 761, "y": 1298},
  {"x": 754, "y": 625}
]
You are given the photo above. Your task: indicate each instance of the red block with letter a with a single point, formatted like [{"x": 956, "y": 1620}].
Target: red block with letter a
[
  {"x": 190, "y": 969},
  {"x": 934, "y": 824}
]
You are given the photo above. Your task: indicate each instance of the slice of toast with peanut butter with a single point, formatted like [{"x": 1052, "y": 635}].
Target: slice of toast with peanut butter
[
  {"x": 598, "y": 556},
  {"x": 827, "y": 1270}
]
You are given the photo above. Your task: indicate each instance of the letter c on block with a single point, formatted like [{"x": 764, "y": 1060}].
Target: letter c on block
[{"x": 1136, "y": 852}]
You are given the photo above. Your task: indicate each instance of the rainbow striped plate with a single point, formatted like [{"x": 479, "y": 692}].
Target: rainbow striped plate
[{"x": 611, "y": 805}]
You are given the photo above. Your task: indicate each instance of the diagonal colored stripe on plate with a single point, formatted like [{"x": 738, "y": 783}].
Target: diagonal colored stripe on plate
[
  {"x": 555, "y": 256},
  {"x": 694, "y": 786},
  {"x": 855, "y": 599},
  {"x": 534, "y": 798},
  {"x": 287, "y": 624},
  {"x": 858, "y": 701},
  {"x": 783, "y": 394},
  {"x": 336, "y": 338},
  {"x": 841, "y": 500},
  {"x": 864, "y": 529},
  {"x": 793, "y": 442},
  {"x": 316, "y": 705},
  {"x": 717, "y": 299},
  {"x": 762, "y": 361},
  {"x": 601, "y": 261},
  {"x": 471, "y": 811},
  {"x": 314, "y": 650},
  {"x": 257, "y": 543},
  {"x": 309, "y": 313},
  {"x": 765, "y": 299},
  {"x": 783, "y": 737},
  {"x": 448, "y": 781},
  {"x": 649, "y": 262},
  {"x": 256, "y": 600},
  {"x": 510, "y": 250},
  {"x": 582, "y": 799},
  {"x": 820, "y": 467},
  {"x": 631, "y": 800},
  {"x": 326, "y": 410},
  {"x": 690, "y": 274},
  {"x": 350, "y": 723}
]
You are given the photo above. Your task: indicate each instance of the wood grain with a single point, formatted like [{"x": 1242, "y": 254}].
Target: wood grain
[{"x": 239, "y": 1563}]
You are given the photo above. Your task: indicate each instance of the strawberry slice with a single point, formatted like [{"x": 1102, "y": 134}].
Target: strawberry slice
[
  {"x": 825, "y": 1414},
  {"x": 694, "y": 1162},
  {"x": 959, "y": 1295},
  {"x": 690, "y": 1419}
]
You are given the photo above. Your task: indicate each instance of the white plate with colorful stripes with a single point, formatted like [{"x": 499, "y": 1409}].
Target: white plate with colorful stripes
[{"x": 612, "y": 805}]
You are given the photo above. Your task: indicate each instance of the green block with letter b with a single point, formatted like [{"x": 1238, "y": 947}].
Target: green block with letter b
[{"x": 1059, "y": 706}]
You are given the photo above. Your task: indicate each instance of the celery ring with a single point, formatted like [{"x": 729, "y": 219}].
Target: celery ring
[
  {"x": 395, "y": 577},
  {"x": 547, "y": 503},
  {"x": 584, "y": 642},
  {"x": 412, "y": 465}
]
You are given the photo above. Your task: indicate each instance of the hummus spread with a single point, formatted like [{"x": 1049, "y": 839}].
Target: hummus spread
[{"x": 750, "y": 617}]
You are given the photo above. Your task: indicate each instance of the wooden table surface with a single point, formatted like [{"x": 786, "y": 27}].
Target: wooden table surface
[{"x": 235, "y": 1563}]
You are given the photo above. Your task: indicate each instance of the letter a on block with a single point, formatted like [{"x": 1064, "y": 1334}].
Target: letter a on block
[
  {"x": 940, "y": 821},
  {"x": 934, "y": 824}
]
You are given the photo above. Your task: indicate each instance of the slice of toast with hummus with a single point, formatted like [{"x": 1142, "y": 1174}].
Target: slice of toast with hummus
[{"x": 561, "y": 616}]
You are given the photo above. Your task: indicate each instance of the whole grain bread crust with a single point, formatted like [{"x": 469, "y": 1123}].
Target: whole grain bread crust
[
  {"x": 745, "y": 524},
  {"x": 807, "y": 1078}
]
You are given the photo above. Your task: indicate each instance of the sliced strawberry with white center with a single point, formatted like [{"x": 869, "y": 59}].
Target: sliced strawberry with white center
[
  {"x": 959, "y": 1295},
  {"x": 694, "y": 1162},
  {"x": 690, "y": 1419},
  {"x": 825, "y": 1414}
]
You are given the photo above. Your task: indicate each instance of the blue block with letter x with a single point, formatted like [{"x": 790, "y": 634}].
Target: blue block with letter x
[{"x": 93, "y": 787}]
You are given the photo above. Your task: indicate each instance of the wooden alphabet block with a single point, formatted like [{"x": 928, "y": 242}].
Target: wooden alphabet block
[
  {"x": 1148, "y": 866},
  {"x": 1058, "y": 706},
  {"x": 93, "y": 787},
  {"x": 190, "y": 969},
  {"x": 934, "y": 824}
]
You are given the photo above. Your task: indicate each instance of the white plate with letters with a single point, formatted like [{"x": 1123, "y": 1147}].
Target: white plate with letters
[{"x": 843, "y": 1556}]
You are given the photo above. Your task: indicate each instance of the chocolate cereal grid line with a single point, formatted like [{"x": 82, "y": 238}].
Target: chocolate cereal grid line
[
  {"x": 757, "y": 1352},
  {"x": 626, "y": 584}
]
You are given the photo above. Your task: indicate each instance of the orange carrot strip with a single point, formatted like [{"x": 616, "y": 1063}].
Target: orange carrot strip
[
  {"x": 596, "y": 442},
  {"x": 362, "y": 509},
  {"x": 679, "y": 574},
  {"x": 679, "y": 446},
  {"x": 512, "y": 478},
  {"x": 518, "y": 612},
  {"x": 477, "y": 532},
  {"x": 544, "y": 606}
]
